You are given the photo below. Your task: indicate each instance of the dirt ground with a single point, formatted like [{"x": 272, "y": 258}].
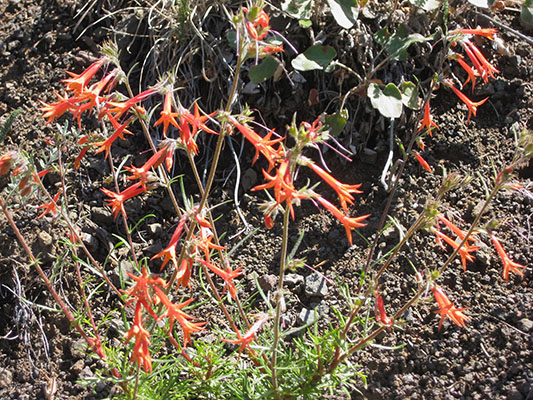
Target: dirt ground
[{"x": 492, "y": 358}]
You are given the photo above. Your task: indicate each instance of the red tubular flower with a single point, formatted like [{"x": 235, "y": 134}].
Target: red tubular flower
[
  {"x": 262, "y": 145},
  {"x": 478, "y": 59},
  {"x": 459, "y": 232},
  {"x": 7, "y": 161},
  {"x": 78, "y": 82},
  {"x": 116, "y": 202},
  {"x": 143, "y": 173},
  {"x": 119, "y": 133},
  {"x": 258, "y": 28},
  {"x": 508, "y": 264},
  {"x": 343, "y": 190},
  {"x": 140, "y": 292},
  {"x": 57, "y": 109},
  {"x": 196, "y": 120},
  {"x": 50, "y": 207},
  {"x": 167, "y": 116},
  {"x": 471, "y": 73},
  {"x": 422, "y": 162},
  {"x": 227, "y": 275},
  {"x": 349, "y": 223},
  {"x": 141, "y": 349},
  {"x": 464, "y": 251},
  {"x": 447, "y": 309},
  {"x": 427, "y": 122},
  {"x": 169, "y": 253},
  {"x": 244, "y": 341},
  {"x": 174, "y": 313},
  {"x": 118, "y": 108},
  {"x": 472, "y": 106},
  {"x": 379, "y": 310},
  {"x": 486, "y": 32}
]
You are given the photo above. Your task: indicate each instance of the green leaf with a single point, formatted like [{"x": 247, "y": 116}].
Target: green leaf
[
  {"x": 300, "y": 9},
  {"x": 387, "y": 101},
  {"x": 410, "y": 97},
  {"x": 398, "y": 43},
  {"x": 335, "y": 123},
  {"x": 526, "y": 14},
  {"x": 263, "y": 71},
  {"x": 426, "y": 5},
  {"x": 315, "y": 57},
  {"x": 345, "y": 12}
]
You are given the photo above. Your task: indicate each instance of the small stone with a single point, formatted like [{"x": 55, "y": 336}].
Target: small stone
[
  {"x": 45, "y": 239},
  {"x": 369, "y": 156},
  {"x": 78, "y": 366},
  {"x": 294, "y": 280},
  {"x": 525, "y": 325},
  {"x": 155, "y": 228},
  {"x": 6, "y": 378},
  {"x": 267, "y": 282},
  {"x": 89, "y": 240},
  {"x": 78, "y": 348},
  {"x": 514, "y": 395},
  {"x": 315, "y": 285},
  {"x": 248, "y": 179},
  {"x": 307, "y": 316},
  {"x": 101, "y": 216},
  {"x": 86, "y": 373}
]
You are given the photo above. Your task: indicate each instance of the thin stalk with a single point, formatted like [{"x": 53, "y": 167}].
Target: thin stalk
[{"x": 279, "y": 299}]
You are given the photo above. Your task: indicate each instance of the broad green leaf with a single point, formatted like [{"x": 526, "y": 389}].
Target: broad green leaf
[
  {"x": 398, "y": 43},
  {"x": 387, "y": 101},
  {"x": 299, "y": 9},
  {"x": 410, "y": 97},
  {"x": 526, "y": 13},
  {"x": 266, "y": 69},
  {"x": 426, "y": 5},
  {"x": 345, "y": 12},
  {"x": 335, "y": 123},
  {"x": 315, "y": 57}
]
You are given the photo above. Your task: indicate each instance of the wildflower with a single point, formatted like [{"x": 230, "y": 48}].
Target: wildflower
[
  {"x": 167, "y": 116},
  {"x": 478, "y": 59},
  {"x": 119, "y": 133},
  {"x": 116, "y": 202},
  {"x": 118, "y": 108},
  {"x": 471, "y": 73},
  {"x": 464, "y": 251},
  {"x": 508, "y": 264},
  {"x": 472, "y": 106},
  {"x": 262, "y": 145},
  {"x": 7, "y": 161},
  {"x": 196, "y": 120},
  {"x": 486, "y": 32},
  {"x": 57, "y": 109},
  {"x": 379, "y": 310},
  {"x": 141, "y": 349},
  {"x": 459, "y": 232},
  {"x": 227, "y": 275},
  {"x": 249, "y": 336},
  {"x": 349, "y": 223},
  {"x": 50, "y": 207},
  {"x": 78, "y": 82},
  {"x": 447, "y": 309},
  {"x": 422, "y": 162},
  {"x": 343, "y": 190},
  {"x": 143, "y": 173},
  {"x": 258, "y": 28},
  {"x": 174, "y": 313},
  {"x": 169, "y": 253},
  {"x": 271, "y": 49},
  {"x": 427, "y": 122},
  {"x": 140, "y": 291}
]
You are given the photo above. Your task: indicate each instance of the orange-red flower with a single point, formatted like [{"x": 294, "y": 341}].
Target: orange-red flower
[
  {"x": 227, "y": 275},
  {"x": 118, "y": 108},
  {"x": 169, "y": 253},
  {"x": 422, "y": 162},
  {"x": 486, "y": 32},
  {"x": 484, "y": 68},
  {"x": 116, "y": 202},
  {"x": 7, "y": 160},
  {"x": 262, "y": 145},
  {"x": 258, "y": 28},
  {"x": 57, "y": 109},
  {"x": 472, "y": 106},
  {"x": 78, "y": 82},
  {"x": 249, "y": 336},
  {"x": 471, "y": 73},
  {"x": 349, "y": 223},
  {"x": 464, "y": 251},
  {"x": 379, "y": 310},
  {"x": 343, "y": 190},
  {"x": 447, "y": 309},
  {"x": 140, "y": 292},
  {"x": 143, "y": 173},
  {"x": 105, "y": 145},
  {"x": 50, "y": 207},
  {"x": 168, "y": 117},
  {"x": 508, "y": 264},
  {"x": 427, "y": 122},
  {"x": 141, "y": 349},
  {"x": 174, "y": 313}
]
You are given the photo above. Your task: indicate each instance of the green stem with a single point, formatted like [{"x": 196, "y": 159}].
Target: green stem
[{"x": 280, "y": 299}]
